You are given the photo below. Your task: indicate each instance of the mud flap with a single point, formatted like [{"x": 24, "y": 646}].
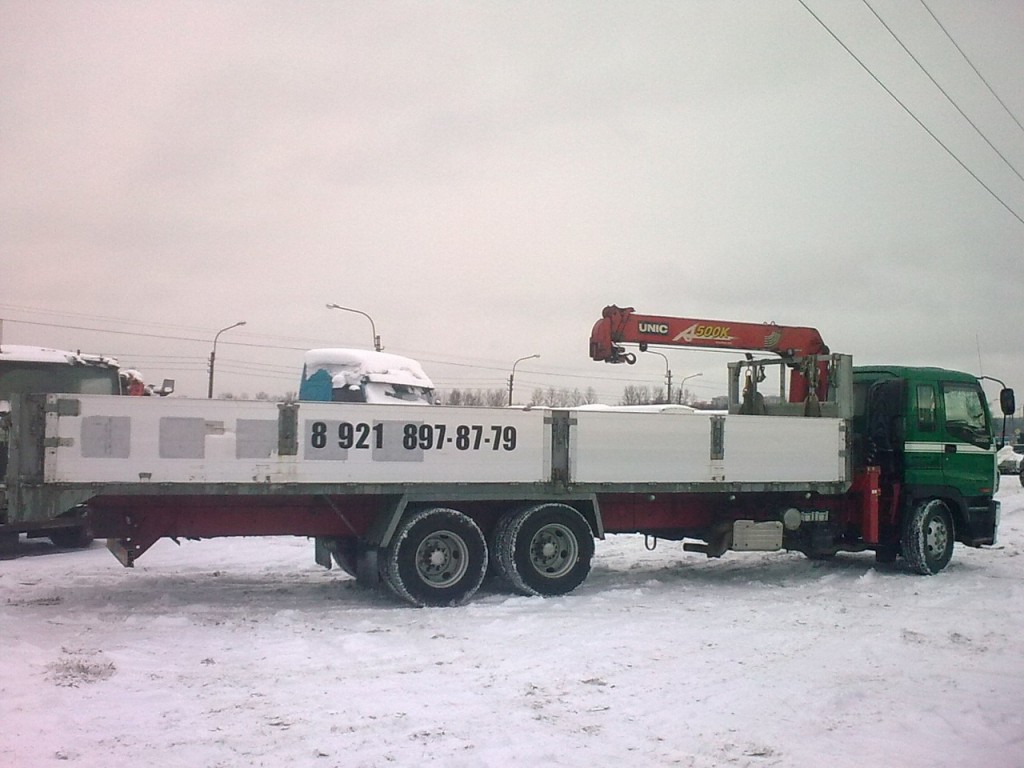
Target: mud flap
[
  {"x": 321, "y": 554},
  {"x": 368, "y": 567}
]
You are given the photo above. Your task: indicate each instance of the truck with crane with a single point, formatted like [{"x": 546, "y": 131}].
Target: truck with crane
[{"x": 426, "y": 500}]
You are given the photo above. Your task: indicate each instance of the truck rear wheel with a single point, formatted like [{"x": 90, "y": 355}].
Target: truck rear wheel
[
  {"x": 928, "y": 537},
  {"x": 438, "y": 557},
  {"x": 544, "y": 550}
]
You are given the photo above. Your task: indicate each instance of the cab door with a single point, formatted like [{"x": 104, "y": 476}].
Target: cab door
[
  {"x": 968, "y": 459},
  {"x": 925, "y": 439}
]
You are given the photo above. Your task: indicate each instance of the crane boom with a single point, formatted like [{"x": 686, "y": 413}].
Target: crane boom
[{"x": 622, "y": 325}]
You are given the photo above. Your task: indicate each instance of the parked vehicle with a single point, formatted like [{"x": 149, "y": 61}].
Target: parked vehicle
[
  {"x": 1010, "y": 459},
  {"x": 361, "y": 376},
  {"x": 27, "y": 369}
]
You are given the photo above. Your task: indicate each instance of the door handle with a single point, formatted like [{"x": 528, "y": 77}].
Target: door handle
[{"x": 950, "y": 448}]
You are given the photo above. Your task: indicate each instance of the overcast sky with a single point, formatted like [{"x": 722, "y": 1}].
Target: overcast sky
[{"x": 482, "y": 178}]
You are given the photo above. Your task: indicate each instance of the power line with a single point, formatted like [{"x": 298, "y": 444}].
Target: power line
[
  {"x": 105, "y": 318},
  {"x": 942, "y": 90},
  {"x": 135, "y": 322},
  {"x": 971, "y": 65},
  {"x": 155, "y": 335},
  {"x": 912, "y": 115},
  {"x": 188, "y": 364},
  {"x": 422, "y": 356}
]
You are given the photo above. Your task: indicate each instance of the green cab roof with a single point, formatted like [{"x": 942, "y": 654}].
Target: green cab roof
[{"x": 873, "y": 372}]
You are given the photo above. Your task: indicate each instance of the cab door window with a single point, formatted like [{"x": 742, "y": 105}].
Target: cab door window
[
  {"x": 925, "y": 408},
  {"x": 965, "y": 414}
]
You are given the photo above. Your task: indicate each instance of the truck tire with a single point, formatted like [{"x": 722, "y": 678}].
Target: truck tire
[
  {"x": 928, "y": 537},
  {"x": 8, "y": 543},
  {"x": 545, "y": 550},
  {"x": 78, "y": 537},
  {"x": 438, "y": 557},
  {"x": 495, "y": 570}
]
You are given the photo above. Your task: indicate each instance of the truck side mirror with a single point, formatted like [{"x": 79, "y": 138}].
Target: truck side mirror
[
  {"x": 167, "y": 388},
  {"x": 1007, "y": 402}
]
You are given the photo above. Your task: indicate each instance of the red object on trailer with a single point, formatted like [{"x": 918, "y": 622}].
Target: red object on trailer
[{"x": 622, "y": 325}]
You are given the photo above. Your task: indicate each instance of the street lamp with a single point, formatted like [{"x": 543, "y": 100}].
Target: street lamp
[
  {"x": 668, "y": 374},
  {"x": 512, "y": 376},
  {"x": 373, "y": 328},
  {"x": 213, "y": 353},
  {"x": 687, "y": 378}
]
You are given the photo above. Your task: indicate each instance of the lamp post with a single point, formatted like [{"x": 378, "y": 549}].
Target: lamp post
[
  {"x": 373, "y": 328},
  {"x": 512, "y": 376},
  {"x": 213, "y": 353},
  {"x": 668, "y": 374},
  {"x": 687, "y": 378}
]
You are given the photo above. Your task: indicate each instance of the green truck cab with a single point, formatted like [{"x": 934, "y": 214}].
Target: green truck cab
[{"x": 930, "y": 431}]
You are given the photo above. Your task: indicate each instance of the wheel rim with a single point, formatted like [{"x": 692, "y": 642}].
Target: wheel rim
[
  {"x": 442, "y": 559},
  {"x": 554, "y": 550},
  {"x": 936, "y": 538}
]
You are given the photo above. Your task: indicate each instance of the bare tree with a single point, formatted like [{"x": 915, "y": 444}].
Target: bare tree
[{"x": 635, "y": 395}]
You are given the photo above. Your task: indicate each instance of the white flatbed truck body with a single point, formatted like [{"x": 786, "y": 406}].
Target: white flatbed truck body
[
  {"x": 423, "y": 497},
  {"x": 182, "y": 442}
]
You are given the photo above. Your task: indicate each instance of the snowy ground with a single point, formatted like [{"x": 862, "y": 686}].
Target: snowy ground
[{"x": 245, "y": 653}]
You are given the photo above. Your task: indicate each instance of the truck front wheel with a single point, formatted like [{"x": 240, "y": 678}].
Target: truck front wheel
[
  {"x": 928, "y": 537},
  {"x": 545, "y": 550},
  {"x": 438, "y": 557}
]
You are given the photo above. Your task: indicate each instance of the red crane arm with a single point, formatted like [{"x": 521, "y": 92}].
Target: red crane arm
[{"x": 621, "y": 325}]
